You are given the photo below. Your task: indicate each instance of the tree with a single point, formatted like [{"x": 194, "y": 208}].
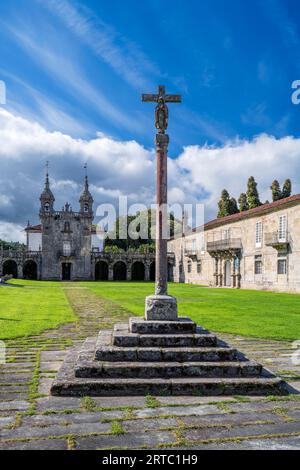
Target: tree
[
  {"x": 224, "y": 204},
  {"x": 243, "y": 203},
  {"x": 252, "y": 194},
  {"x": 141, "y": 232},
  {"x": 286, "y": 189},
  {"x": 233, "y": 207},
  {"x": 276, "y": 191},
  {"x": 15, "y": 246}
]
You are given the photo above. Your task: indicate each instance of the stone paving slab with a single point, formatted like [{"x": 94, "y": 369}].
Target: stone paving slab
[
  {"x": 31, "y": 421},
  {"x": 47, "y": 444},
  {"x": 286, "y": 443},
  {"x": 129, "y": 440}
]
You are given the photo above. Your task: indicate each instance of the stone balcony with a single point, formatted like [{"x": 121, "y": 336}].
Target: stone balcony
[
  {"x": 192, "y": 253},
  {"x": 278, "y": 241},
  {"x": 228, "y": 245},
  {"x": 63, "y": 255}
]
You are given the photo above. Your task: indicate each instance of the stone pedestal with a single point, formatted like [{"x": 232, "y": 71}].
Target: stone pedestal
[{"x": 161, "y": 307}]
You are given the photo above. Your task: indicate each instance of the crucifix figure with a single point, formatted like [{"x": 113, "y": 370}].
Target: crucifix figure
[{"x": 161, "y": 306}]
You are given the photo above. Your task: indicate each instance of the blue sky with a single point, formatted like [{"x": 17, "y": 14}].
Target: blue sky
[
  {"x": 233, "y": 62},
  {"x": 79, "y": 68}
]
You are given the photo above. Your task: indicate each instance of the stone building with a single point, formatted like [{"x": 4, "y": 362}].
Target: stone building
[
  {"x": 65, "y": 246},
  {"x": 255, "y": 249}
]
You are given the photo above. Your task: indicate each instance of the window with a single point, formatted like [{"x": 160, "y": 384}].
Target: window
[
  {"x": 189, "y": 267},
  {"x": 282, "y": 228},
  {"x": 66, "y": 248},
  {"x": 67, "y": 227},
  {"x": 258, "y": 234},
  {"x": 180, "y": 268},
  {"x": 86, "y": 208},
  {"x": 226, "y": 234},
  {"x": 281, "y": 266},
  {"x": 199, "y": 267},
  {"x": 258, "y": 264},
  {"x": 47, "y": 207}
]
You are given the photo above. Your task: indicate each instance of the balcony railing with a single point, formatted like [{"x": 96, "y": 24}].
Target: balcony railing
[
  {"x": 191, "y": 252},
  {"x": 277, "y": 239},
  {"x": 224, "y": 245},
  {"x": 65, "y": 254}
]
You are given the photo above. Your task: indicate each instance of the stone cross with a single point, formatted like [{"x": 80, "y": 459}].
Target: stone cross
[{"x": 161, "y": 306}]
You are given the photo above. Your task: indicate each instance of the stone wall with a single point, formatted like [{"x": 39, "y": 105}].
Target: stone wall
[{"x": 245, "y": 231}]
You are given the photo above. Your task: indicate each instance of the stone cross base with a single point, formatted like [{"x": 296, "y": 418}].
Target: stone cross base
[
  {"x": 155, "y": 357},
  {"x": 161, "y": 307}
]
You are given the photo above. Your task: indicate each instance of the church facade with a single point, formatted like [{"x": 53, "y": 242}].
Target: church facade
[
  {"x": 256, "y": 249},
  {"x": 66, "y": 246}
]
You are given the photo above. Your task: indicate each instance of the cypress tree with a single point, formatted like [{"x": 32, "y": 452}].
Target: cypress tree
[
  {"x": 276, "y": 191},
  {"x": 286, "y": 189},
  {"x": 224, "y": 204},
  {"x": 252, "y": 193},
  {"x": 243, "y": 203},
  {"x": 233, "y": 207}
]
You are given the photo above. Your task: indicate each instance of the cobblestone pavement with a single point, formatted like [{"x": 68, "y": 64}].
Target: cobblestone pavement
[{"x": 31, "y": 419}]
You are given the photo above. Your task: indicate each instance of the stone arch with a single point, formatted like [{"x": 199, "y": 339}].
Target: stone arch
[
  {"x": 138, "y": 271},
  {"x": 10, "y": 267},
  {"x": 30, "y": 270},
  {"x": 152, "y": 271},
  {"x": 101, "y": 271},
  {"x": 120, "y": 271}
]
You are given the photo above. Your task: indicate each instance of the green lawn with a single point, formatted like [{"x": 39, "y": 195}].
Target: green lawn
[
  {"x": 248, "y": 313},
  {"x": 41, "y": 305},
  {"x": 32, "y": 309}
]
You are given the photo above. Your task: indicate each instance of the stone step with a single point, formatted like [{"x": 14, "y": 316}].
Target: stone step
[
  {"x": 68, "y": 385},
  {"x": 166, "y": 369},
  {"x": 183, "y": 325},
  {"x": 122, "y": 338},
  {"x": 179, "y": 354}
]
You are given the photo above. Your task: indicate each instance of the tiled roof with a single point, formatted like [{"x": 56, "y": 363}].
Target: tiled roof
[
  {"x": 34, "y": 228},
  {"x": 263, "y": 209}
]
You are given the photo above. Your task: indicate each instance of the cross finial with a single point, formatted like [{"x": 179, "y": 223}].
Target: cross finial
[{"x": 47, "y": 175}]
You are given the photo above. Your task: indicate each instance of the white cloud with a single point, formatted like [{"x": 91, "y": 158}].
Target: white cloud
[
  {"x": 5, "y": 200},
  {"x": 118, "y": 168},
  {"x": 12, "y": 232},
  {"x": 210, "y": 169},
  {"x": 122, "y": 55}
]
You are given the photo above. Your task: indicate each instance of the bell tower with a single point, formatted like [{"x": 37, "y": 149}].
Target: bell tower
[
  {"x": 47, "y": 199},
  {"x": 86, "y": 199}
]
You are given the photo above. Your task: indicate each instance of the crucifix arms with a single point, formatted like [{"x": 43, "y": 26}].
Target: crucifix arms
[
  {"x": 161, "y": 110},
  {"x": 161, "y": 97}
]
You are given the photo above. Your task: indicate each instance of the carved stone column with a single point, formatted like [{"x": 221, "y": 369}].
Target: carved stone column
[
  {"x": 216, "y": 272},
  {"x": 110, "y": 273},
  {"x": 239, "y": 274},
  {"x": 221, "y": 272},
  {"x": 233, "y": 273},
  {"x": 147, "y": 272},
  {"x": 20, "y": 271}
]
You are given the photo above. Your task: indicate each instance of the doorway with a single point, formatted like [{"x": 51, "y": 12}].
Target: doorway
[
  {"x": 228, "y": 274},
  {"x": 66, "y": 271}
]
